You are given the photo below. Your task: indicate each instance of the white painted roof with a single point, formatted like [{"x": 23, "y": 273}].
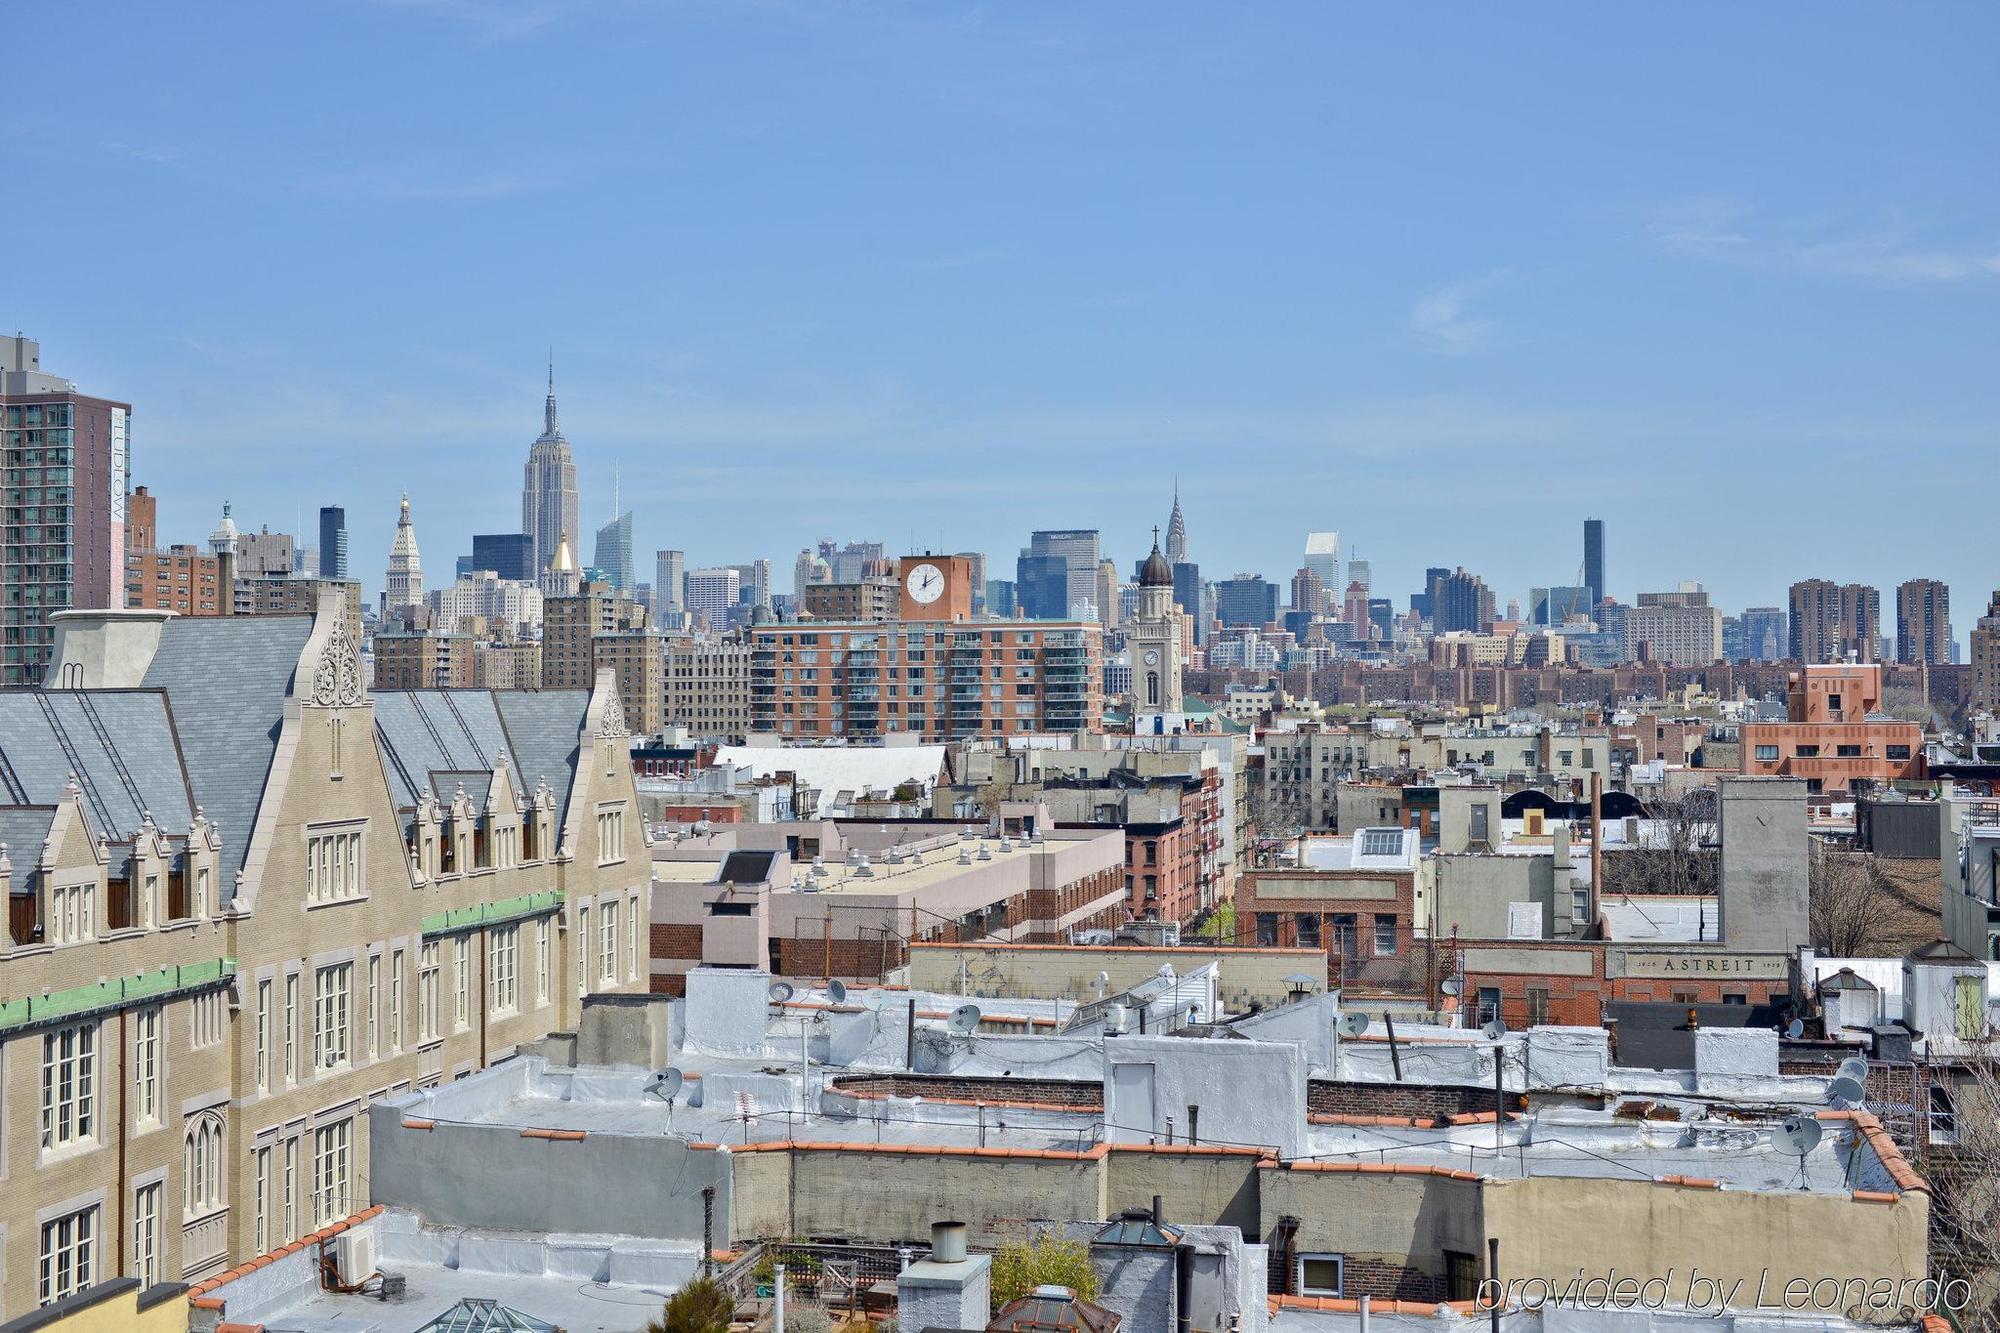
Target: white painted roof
[{"x": 842, "y": 768}]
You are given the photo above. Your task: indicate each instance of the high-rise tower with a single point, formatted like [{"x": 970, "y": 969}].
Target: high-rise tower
[
  {"x": 405, "y": 583},
  {"x": 548, "y": 487},
  {"x": 1176, "y": 532}
]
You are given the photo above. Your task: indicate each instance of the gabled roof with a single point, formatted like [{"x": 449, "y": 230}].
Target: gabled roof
[
  {"x": 226, "y": 679},
  {"x": 434, "y": 740},
  {"x": 478, "y": 784},
  {"x": 119, "y": 744},
  {"x": 23, "y": 830},
  {"x": 546, "y": 728}
]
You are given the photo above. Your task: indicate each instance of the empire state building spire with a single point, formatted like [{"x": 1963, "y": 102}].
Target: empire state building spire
[{"x": 548, "y": 487}]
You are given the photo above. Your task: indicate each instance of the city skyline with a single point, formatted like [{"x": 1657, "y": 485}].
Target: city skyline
[{"x": 881, "y": 320}]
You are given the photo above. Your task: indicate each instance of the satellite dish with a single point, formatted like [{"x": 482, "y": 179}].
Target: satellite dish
[
  {"x": 780, "y": 992},
  {"x": 1452, "y": 986},
  {"x": 837, "y": 991},
  {"x": 1795, "y": 1029},
  {"x": 1167, "y": 971},
  {"x": 666, "y": 1084},
  {"x": 1853, "y": 1067},
  {"x": 1353, "y": 1023},
  {"x": 964, "y": 1019},
  {"x": 1846, "y": 1089},
  {"x": 1493, "y": 1031},
  {"x": 1796, "y": 1135}
]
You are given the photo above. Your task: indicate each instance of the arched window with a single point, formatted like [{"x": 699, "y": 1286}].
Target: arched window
[
  {"x": 201, "y": 1165},
  {"x": 1153, "y": 687}
]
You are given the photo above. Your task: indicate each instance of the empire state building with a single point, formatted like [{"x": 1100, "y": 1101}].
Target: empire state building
[{"x": 548, "y": 488}]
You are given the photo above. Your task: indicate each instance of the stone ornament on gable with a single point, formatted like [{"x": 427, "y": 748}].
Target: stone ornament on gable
[
  {"x": 613, "y": 725},
  {"x": 337, "y": 676}
]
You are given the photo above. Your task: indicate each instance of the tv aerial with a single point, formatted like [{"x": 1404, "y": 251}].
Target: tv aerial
[
  {"x": 1797, "y": 1136},
  {"x": 965, "y": 1019},
  {"x": 1353, "y": 1023}
]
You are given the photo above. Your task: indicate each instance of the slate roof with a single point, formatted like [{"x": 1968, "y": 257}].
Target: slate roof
[
  {"x": 546, "y": 727},
  {"x": 119, "y": 743},
  {"x": 23, "y": 830},
  {"x": 433, "y": 740},
  {"x": 227, "y": 678}
]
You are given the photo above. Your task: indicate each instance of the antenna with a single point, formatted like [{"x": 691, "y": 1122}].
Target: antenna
[
  {"x": 964, "y": 1019},
  {"x": 1353, "y": 1023},
  {"x": 666, "y": 1084},
  {"x": 780, "y": 992},
  {"x": 837, "y": 991}
]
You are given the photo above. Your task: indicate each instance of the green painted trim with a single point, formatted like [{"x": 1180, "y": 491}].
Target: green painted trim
[
  {"x": 116, "y": 993},
  {"x": 493, "y": 914}
]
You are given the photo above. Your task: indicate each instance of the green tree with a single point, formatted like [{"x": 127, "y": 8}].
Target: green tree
[
  {"x": 1048, "y": 1261},
  {"x": 702, "y": 1306}
]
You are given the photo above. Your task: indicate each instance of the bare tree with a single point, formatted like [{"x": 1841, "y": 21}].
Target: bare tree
[
  {"x": 1848, "y": 900},
  {"x": 1962, "y": 1165},
  {"x": 1678, "y": 852},
  {"x": 1275, "y": 821}
]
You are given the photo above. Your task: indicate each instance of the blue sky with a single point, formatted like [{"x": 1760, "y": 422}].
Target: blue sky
[{"x": 1446, "y": 279}]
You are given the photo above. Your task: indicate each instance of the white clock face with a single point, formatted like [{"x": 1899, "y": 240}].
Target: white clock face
[
  {"x": 1152, "y": 658},
  {"x": 925, "y": 584}
]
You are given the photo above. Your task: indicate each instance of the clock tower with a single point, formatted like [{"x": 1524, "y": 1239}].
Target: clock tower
[
  {"x": 1155, "y": 639},
  {"x": 935, "y": 587}
]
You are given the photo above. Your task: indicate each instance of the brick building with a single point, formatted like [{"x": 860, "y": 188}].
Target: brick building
[{"x": 1832, "y": 736}]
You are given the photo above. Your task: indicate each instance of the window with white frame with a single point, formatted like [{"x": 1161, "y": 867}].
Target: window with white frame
[
  {"x": 582, "y": 948},
  {"x": 201, "y": 1166},
  {"x": 632, "y": 938},
  {"x": 73, "y": 913},
  {"x": 461, "y": 981},
  {"x": 263, "y": 1053},
  {"x": 503, "y": 969},
  {"x": 334, "y": 863},
  {"x": 1320, "y": 1274},
  {"x": 205, "y": 1021},
  {"x": 331, "y": 1146},
  {"x": 260, "y": 1204},
  {"x": 428, "y": 995},
  {"x": 542, "y": 961},
  {"x": 146, "y": 1066},
  {"x": 146, "y": 1234},
  {"x": 289, "y": 1184},
  {"x": 69, "y": 1085},
  {"x": 610, "y": 834},
  {"x": 396, "y": 1000},
  {"x": 374, "y": 1003},
  {"x": 69, "y": 1255},
  {"x": 607, "y": 931},
  {"x": 332, "y": 1015},
  {"x": 291, "y": 1027}
]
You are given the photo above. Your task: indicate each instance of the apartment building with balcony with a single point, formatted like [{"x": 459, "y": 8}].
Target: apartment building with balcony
[{"x": 1833, "y": 736}]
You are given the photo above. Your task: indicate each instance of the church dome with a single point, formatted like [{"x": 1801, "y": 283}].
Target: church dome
[{"x": 1156, "y": 572}]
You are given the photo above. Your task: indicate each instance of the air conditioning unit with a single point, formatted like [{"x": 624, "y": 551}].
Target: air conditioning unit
[
  {"x": 354, "y": 1255},
  {"x": 1117, "y": 1020}
]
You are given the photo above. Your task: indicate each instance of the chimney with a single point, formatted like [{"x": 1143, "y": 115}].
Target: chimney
[{"x": 948, "y": 1289}]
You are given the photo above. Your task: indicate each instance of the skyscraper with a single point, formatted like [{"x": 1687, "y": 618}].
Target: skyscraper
[
  {"x": 404, "y": 585},
  {"x": 1246, "y": 600},
  {"x": 1461, "y": 601},
  {"x": 614, "y": 551},
  {"x": 1593, "y": 558},
  {"x": 1176, "y": 551},
  {"x": 72, "y": 451},
  {"x": 1323, "y": 559},
  {"x": 1035, "y": 572},
  {"x": 1923, "y": 622},
  {"x": 508, "y": 554},
  {"x": 548, "y": 487},
  {"x": 333, "y": 542},
  {"x": 1831, "y": 621},
  {"x": 670, "y": 582}
]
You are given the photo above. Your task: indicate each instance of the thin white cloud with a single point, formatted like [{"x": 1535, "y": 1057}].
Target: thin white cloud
[
  {"x": 1443, "y": 320},
  {"x": 1891, "y": 253}
]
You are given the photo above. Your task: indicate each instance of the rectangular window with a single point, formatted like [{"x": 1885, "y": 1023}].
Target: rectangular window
[
  {"x": 1538, "y": 1005},
  {"x": 331, "y": 1145},
  {"x": 69, "y": 1255},
  {"x": 1898, "y": 752},
  {"x": 332, "y": 1015},
  {"x": 461, "y": 981},
  {"x": 1307, "y": 926},
  {"x": 290, "y": 1185},
  {"x": 260, "y": 1205},
  {"x": 1320, "y": 1274},
  {"x": 428, "y": 994},
  {"x": 607, "y": 929},
  {"x": 632, "y": 939},
  {"x": 1767, "y": 754},
  {"x": 146, "y": 1234},
  {"x": 205, "y": 1021},
  {"x": 146, "y": 1066},
  {"x": 334, "y": 864},
  {"x": 72, "y": 913},
  {"x": 542, "y": 962},
  {"x": 374, "y": 1003},
  {"x": 1385, "y": 935},
  {"x": 1847, "y": 751},
  {"x": 262, "y": 1058},
  {"x": 582, "y": 948},
  {"x": 1579, "y": 906},
  {"x": 69, "y": 1085},
  {"x": 396, "y": 1000},
  {"x": 291, "y": 1027},
  {"x": 503, "y": 946}
]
